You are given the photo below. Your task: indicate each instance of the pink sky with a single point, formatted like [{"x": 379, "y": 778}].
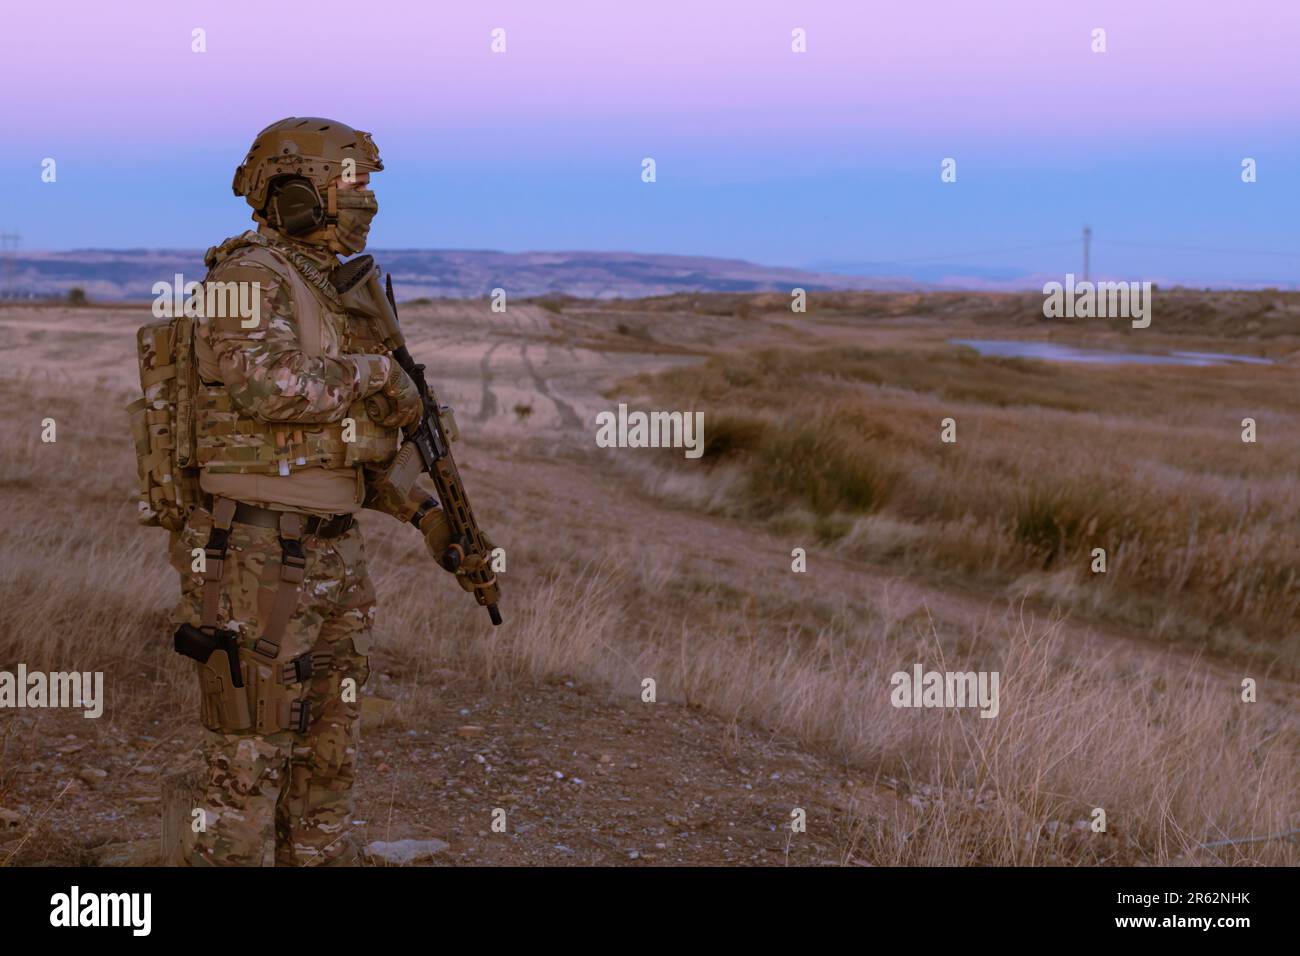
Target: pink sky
[{"x": 718, "y": 68}]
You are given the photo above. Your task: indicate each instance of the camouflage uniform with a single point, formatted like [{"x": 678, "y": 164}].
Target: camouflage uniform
[
  {"x": 287, "y": 790},
  {"x": 271, "y": 400}
]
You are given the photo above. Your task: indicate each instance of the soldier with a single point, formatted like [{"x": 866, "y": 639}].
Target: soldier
[{"x": 292, "y": 415}]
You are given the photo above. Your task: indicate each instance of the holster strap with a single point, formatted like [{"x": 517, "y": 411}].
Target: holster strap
[
  {"x": 293, "y": 568},
  {"x": 300, "y": 716},
  {"x": 214, "y": 557},
  {"x": 305, "y": 666}
]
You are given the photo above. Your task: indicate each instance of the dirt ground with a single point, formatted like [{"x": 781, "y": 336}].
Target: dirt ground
[{"x": 583, "y": 779}]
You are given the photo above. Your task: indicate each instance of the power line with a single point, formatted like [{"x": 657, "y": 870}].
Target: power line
[
  {"x": 1226, "y": 252},
  {"x": 966, "y": 255},
  {"x": 1087, "y": 240}
]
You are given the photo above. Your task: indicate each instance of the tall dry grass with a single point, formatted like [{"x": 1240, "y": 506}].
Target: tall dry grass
[
  {"x": 1174, "y": 758},
  {"x": 1050, "y": 462}
]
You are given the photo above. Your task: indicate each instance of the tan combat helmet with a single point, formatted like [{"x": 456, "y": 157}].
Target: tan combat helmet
[{"x": 312, "y": 149}]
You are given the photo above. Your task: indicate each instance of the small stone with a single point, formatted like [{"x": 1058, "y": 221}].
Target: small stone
[
  {"x": 606, "y": 758},
  {"x": 633, "y": 855},
  {"x": 470, "y": 730},
  {"x": 93, "y": 775},
  {"x": 405, "y": 852},
  {"x": 131, "y": 853}
]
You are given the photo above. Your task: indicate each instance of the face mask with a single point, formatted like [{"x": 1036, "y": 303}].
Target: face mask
[{"x": 356, "y": 207}]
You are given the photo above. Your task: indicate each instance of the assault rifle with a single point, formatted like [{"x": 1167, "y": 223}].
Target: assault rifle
[{"x": 430, "y": 439}]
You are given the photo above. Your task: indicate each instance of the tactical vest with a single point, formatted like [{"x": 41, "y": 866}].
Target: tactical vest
[{"x": 228, "y": 441}]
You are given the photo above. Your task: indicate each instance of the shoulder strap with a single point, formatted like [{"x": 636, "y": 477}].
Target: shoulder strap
[{"x": 301, "y": 263}]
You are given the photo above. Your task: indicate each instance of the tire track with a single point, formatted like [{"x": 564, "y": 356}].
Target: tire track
[
  {"x": 568, "y": 417},
  {"x": 488, "y": 404}
]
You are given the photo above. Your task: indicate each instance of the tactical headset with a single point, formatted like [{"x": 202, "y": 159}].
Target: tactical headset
[{"x": 294, "y": 206}]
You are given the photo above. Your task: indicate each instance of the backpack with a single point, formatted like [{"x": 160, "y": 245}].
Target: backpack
[{"x": 162, "y": 423}]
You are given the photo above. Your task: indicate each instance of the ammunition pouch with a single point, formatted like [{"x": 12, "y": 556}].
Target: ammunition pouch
[{"x": 229, "y": 442}]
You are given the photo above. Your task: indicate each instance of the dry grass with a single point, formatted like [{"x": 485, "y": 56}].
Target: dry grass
[
  {"x": 1050, "y": 462},
  {"x": 1175, "y": 760},
  {"x": 1173, "y": 756}
]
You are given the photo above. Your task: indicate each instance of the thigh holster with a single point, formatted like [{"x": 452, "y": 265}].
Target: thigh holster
[
  {"x": 277, "y": 691},
  {"x": 252, "y": 692}
]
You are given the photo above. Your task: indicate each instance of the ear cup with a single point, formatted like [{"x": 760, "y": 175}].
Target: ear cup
[{"x": 297, "y": 208}]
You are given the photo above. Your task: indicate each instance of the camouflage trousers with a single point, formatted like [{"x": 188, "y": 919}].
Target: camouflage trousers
[{"x": 286, "y": 795}]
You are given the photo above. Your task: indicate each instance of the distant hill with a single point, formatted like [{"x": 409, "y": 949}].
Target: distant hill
[{"x": 129, "y": 274}]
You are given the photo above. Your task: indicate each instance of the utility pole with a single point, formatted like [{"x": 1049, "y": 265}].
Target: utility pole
[
  {"x": 1087, "y": 240},
  {"x": 8, "y": 244}
]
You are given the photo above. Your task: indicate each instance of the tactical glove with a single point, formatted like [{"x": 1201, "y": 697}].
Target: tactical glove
[
  {"x": 474, "y": 563},
  {"x": 437, "y": 537},
  {"x": 397, "y": 404}
]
